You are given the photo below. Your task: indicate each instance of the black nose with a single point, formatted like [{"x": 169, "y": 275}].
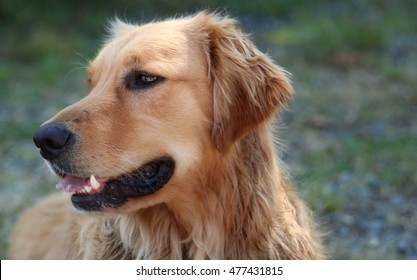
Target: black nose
[{"x": 52, "y": 139}]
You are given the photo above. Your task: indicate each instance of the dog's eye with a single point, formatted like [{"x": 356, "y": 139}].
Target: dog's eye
[{"x": 138, "y": 80}]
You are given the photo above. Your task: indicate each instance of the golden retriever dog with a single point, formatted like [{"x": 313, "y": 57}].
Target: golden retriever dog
[{"x": 171, "y": 154}]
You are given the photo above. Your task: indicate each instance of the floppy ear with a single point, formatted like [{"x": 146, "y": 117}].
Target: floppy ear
[{"x": 248, "y": 87}]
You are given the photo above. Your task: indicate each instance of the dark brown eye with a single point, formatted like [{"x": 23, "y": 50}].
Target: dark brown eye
[{"x": 138, "y": 80}]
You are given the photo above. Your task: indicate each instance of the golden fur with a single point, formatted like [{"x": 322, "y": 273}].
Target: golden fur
[{"x": 228, "y": 198}]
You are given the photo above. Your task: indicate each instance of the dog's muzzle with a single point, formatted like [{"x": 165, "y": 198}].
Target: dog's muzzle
[{"x": 89, "y": 193}]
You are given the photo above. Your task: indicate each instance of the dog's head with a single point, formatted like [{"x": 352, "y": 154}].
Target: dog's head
[{"x": 162, "y": 95}]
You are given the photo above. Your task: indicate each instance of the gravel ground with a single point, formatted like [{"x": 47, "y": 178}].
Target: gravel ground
[{"x": 373, "y": 225}]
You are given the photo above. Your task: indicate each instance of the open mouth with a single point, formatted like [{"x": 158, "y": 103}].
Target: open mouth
[{"x": 97, "y": 193}]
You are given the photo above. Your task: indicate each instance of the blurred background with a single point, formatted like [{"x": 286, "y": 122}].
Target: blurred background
[{"x": 350, "y": 132}]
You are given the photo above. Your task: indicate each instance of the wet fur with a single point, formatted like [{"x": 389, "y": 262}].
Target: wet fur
[{"x": 229, "y": 198}]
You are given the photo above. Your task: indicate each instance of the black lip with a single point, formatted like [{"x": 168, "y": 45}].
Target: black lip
[{"x": 146, "y": 180}]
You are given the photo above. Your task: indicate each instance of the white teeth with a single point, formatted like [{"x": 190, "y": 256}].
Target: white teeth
[
  {"x": 81, "y": 191},
  {"x": 94, "y": 183},
  {"x": 88, "y": 189}
]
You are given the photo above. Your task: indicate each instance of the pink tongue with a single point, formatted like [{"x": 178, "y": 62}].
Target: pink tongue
[{"x": 72, "y": 184}]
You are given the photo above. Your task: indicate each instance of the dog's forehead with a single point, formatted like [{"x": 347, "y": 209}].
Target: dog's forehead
[{"x": 163, "y": 42}]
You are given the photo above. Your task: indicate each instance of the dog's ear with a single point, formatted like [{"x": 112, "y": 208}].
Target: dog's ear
[{"x": 248, "y": 87}]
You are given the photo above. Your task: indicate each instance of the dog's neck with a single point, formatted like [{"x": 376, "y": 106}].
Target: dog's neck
[{"x": 242, "y": 208}]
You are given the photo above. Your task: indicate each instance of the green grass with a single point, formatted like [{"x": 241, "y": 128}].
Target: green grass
[
  {"x": 352, "y": 30},
  {"x": 325, "y": 38},
  {"x": 390, "y": 158}
]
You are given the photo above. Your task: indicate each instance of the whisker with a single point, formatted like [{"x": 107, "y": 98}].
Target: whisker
[{"x": 86, "y": 60}]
